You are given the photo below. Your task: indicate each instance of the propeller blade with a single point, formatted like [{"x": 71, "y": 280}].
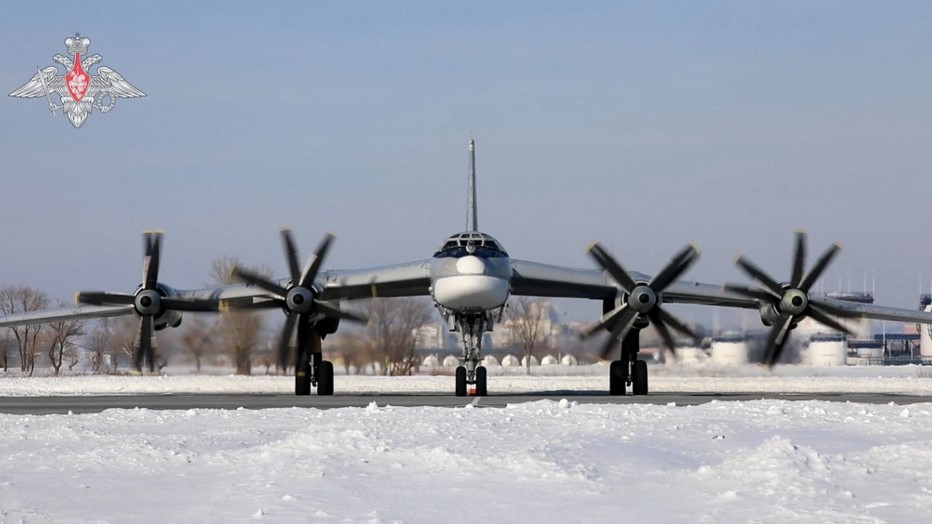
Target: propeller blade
[
  {"x": 283, "y": 341},
  {"x": 820, "y": 266},
  {"x": 335, "y": 312},
  {"x": 190, "y": 304},
  {"x": 824, "y": 318},
  {"x": 613, "y": 268},
  {"x": 776, "y": 340},
  {"x": 833, "y": 310},
  {"x": 677, "y": 265},
  {"x": 291, "y": 254},
  {"x": 103, "y": 298},
  {"x": 608, "y": 319},
  {"x": 799, "y": 259},
  {"x": 625, "y": 321},
  {"x": 663, "y": 330},
  {"x": 758, "y": 273},
  {"x": 144, "y": 341},
  {"x": 316, "y": 260},
  {"x": 761, "y": 294},
  {"x": 667, "y": 318},
  {"x": 259, "y": 281},
  {"x": 151, "y": 260}
]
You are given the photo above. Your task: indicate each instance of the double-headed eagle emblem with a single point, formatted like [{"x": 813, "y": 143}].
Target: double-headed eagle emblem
[{"x": 79, "y": 91}]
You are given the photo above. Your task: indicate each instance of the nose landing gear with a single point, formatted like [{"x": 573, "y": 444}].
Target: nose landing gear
[{"x": 470, "y": 373}]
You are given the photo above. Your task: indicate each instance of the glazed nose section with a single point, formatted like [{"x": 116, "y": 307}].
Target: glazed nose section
[{"x": 470, "y": 265}]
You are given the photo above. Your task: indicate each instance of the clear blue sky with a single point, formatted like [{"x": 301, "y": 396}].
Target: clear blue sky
[{"x": 644, "y": 125}]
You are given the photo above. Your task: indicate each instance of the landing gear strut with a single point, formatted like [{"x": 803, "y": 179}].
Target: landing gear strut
[
  {"x": 629, "y": 371},
  {"x": 312, "y": 370},
  {"x": 471, "y": 327}
]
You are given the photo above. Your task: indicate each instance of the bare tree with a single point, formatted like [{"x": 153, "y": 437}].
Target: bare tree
[
  {"x": 240, "y": 329},
  {"x": 99, "y": 343},
  {"x": 525, "y": 317},
  {"x": 5, "y": 345},
  {"x": 123, "y": 333},
  {"x": 59, "y": 338},
  {"x": 198, "y": 337},
  {"x": 391, "y": 330},
  {"x": 353, "y": 349},
  {"x": 20, "y": 299}
]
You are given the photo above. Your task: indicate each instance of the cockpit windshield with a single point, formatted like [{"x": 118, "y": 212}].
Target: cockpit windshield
[{"x": 471, "y": 243}]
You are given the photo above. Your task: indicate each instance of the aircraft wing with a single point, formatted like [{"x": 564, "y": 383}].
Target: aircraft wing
[
  {"x": 400, "y": 280},
  {"x": 857, "y": 309},
  {"x": 544, "y": 280},
  {"x": 685, "y": 292},
  {"x": 70, "y": 313}
]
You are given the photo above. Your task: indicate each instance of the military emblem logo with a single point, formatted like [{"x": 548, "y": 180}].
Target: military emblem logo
[{"x": 79, "y": 91}]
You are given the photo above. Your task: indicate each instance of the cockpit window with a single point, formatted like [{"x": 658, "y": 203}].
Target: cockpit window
[{"x": 477, "y": 244}]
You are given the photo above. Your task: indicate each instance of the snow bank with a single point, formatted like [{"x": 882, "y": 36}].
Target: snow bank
[{"x": 762, "y": 461}]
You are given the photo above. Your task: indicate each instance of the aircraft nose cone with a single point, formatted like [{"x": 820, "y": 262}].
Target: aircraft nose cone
[{"x": 470, "y": 265}]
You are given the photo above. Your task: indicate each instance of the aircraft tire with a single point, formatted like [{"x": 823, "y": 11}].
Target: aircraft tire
[
  {"x": 616, "y": 378},
  {"x": 302, "y": 383},
  {"x": 482, "y": 388},
  {"x": 639, "y": 378},
  {"x": 325, "y": 378},
  {"x": 460, "y": 381}
]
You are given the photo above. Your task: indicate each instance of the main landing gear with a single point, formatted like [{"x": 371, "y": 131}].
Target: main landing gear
[
  {"x": 312, "y": 370},
  {"x": 471, "y": 327},
  {"x": 629, "y": 371}
]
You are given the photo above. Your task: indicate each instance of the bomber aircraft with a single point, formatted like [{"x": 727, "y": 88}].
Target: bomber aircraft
[{"x": 470, "y": 278}]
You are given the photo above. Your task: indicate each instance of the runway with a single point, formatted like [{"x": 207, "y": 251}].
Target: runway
[{"x": 98, "y": 403}]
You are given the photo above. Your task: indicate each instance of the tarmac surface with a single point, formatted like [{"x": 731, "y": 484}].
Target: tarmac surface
[{"x": 96, "y": 404}]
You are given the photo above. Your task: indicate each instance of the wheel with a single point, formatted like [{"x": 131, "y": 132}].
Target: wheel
[
  {"x": 482, "y": 389},
  {"x": 639, "y": 376},
  {"x": 460, "y": 381},
  {"x": 302, "y": 383},
  {"x": 325, "y": 378},
  {"x": 617, "y": 372}
]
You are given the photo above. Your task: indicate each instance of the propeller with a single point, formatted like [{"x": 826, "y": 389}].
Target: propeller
[
  {"x": 299, "y": 298},
  {"x": 791, "y": 301},
  {"x": 149, "y": 301},
  {"x": 641, "y": 299}
]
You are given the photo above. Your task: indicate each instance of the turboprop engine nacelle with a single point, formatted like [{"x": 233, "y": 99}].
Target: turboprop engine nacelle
[
  {"x": 150, "y": 303},
  {"x": 769, "y": 314}
]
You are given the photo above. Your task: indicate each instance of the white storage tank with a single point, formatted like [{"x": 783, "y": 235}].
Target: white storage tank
[
  {"x": 534, "y": 362},
  {"x": 690, "y": 355},
  {"x": 826, "y": 350},
  {"x": 510, "y": 361},
  {"x": 730, "y": 350},
  {"x": 925, "y": 337}
]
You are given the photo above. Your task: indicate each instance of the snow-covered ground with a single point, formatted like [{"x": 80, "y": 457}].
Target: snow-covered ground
[{"x": 545, "y": 461}]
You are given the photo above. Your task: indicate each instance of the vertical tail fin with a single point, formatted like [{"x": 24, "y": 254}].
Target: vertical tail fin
[{"x": 471, "y": 219}]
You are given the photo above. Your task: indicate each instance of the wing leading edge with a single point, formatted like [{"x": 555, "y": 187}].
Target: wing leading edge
[
  {"x": 70, "y": 313},
  {"x": 401, "y": 280}
]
